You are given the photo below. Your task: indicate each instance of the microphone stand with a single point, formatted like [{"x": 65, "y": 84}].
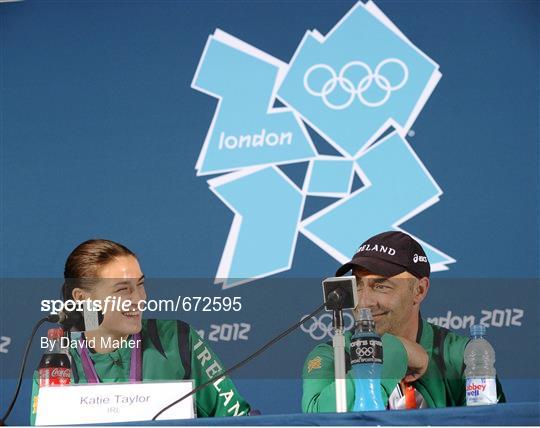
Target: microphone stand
[
  {"x": 66, "y": 322},
  {"x": 338, "y": 342}
]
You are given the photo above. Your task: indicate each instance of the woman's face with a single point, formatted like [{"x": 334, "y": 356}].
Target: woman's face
[{"x": 120, "y": 288}]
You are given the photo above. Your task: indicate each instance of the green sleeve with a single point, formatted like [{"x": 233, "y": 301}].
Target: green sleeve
[
  {"x": 454, "y": 347},
  {"x": 319, "y": 391},
  {"x": 220, "y": 398},
  {"x": 33, "y": 400},
  {"x": 395, "y": 363}
]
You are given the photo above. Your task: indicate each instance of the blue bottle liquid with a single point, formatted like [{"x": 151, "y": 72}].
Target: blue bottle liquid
[{"x": 366, "y": 364}]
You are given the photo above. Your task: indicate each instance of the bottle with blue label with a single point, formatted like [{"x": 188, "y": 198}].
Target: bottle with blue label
[
  {"x": 479, "y": 358},
  {"x": 366, "y": 364}
]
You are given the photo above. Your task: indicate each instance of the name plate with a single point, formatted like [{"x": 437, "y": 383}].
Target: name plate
[{"x": 113, "y": 402}]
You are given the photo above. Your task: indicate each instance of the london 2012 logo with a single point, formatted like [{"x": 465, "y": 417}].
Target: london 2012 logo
[{"x": 359, "y": 88}]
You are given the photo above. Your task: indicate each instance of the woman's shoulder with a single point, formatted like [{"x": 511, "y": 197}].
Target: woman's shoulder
[
  {"x": 164, "y": 329},
  {"x": 162, "y": 324},
  {"x": 170, "y": 338}
]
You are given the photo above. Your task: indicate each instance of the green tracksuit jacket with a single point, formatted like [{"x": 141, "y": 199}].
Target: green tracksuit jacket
[
  {"x": 442, "y": 385},
  {"x": 171, "y": 350}
]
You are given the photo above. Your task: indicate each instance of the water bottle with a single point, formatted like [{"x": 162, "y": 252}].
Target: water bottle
[
  {"x": 479, "y": 360},
  {"x": 366, "y": 364}
]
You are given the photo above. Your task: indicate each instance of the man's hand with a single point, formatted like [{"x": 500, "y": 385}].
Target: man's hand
[{"x": 417, "y": 360}]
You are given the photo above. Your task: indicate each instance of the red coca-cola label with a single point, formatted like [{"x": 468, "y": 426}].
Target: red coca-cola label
[{"x": 54, "y": 376}]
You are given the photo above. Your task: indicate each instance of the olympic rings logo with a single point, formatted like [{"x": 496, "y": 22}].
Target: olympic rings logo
[
  {"x": 364, "y": 351},
  {"x": 340, "y": 81},
  {"x": 321, "y": 327}
]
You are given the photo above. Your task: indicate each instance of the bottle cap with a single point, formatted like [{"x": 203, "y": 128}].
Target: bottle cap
[
  {"x": 365, "y": 314},
  {"x": 477, "y": 330},
  {"x": 55, "y": 333},
  {"x": 365, "y": 321}
]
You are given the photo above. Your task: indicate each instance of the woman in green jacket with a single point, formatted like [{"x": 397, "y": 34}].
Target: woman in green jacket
[{"x": 127, "y": 348}]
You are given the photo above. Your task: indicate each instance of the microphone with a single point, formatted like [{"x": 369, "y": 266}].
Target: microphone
[
  {"x": 340, "y": 293},
  {"x": 68, "y": 319},
  {"x": 336, "y": 297},
  {"x": 241, "y": 363}
]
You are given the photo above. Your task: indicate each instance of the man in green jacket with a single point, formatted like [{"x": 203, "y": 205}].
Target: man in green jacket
[{"x": 423, "y": 363}]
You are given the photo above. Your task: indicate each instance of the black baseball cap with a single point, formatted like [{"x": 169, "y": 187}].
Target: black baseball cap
[{"x": 389, "y": 254}]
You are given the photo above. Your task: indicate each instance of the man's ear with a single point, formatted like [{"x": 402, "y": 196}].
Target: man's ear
[
  {"x": 420, "y": 290},
  {"x": 80, "y": 294}
]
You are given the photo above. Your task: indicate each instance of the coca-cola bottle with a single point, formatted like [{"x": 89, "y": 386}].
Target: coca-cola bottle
[{"x": 55, "y": 367}]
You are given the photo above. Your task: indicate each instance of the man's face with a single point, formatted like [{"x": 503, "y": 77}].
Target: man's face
[{"x": 391, "y": 300}]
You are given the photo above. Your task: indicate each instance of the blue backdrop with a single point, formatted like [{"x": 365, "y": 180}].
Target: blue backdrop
[{"x": 101, "y": 132}]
